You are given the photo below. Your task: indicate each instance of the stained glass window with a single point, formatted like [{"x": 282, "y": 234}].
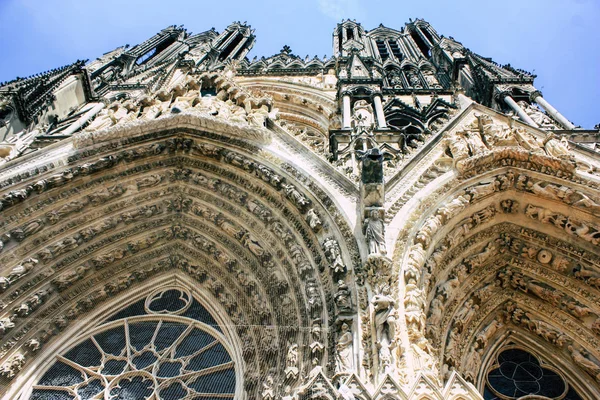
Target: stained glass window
[
  {"x": 519, "y": 374},
  {"x": 165, "y": 346}
]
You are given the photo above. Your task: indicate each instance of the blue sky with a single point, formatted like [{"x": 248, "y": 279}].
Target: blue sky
[{"x": 556, "y": 39}]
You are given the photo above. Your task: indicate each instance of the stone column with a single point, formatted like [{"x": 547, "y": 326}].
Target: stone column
[
  {"x": 379, "y": 112},
  {"x": 83, "y": 119},
  {"x": 537, "y": 97},
  {"x": 520, "y": 112},
  {"x": 346, "y": 117}
]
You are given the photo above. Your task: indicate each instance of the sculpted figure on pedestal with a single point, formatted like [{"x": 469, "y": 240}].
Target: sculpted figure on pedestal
[
  {"x": 74, "y": 206},
  {"x": 384, "y": 316},
  {"x": 527, "y": 140},
  {"x": 267, "y": 392},
  {"x": 291, "y": 370},
  {"x": 313, "y": 220},
  {"x": 374, "y": 229},
  {"x": 474, "y": 142},
  {"x": 458, "y": 146},
  {"x": 496, "y": 134},
  {"x": 429, "y": 229},
  {"x": 414, "y": 264},
  {"x": 482, "y": 339},
  {"x": 105, "y": 118},
  {"x": 258, "y": 116},
  {"x": 362, "y": 114},
  {"x": 344, "y": 354},
  {"x": 413, "y": 306},
  {"x": 334, "y": 255},
  {"x": 436, "y": 309},
  {"x": 209, "y": 105},
  {"x": 342, "y": 297},
  {"x": 17, "y": 272},
  {"x": 150, "y": 107},
  {"x": 296, "y": 197},
  {"x": 467, "y": 311}
]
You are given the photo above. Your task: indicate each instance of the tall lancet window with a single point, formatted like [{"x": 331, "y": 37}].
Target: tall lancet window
[{"x": 164, "y": 346}]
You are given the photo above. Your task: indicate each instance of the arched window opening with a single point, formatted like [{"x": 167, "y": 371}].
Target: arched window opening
[
  {"x": 227, "y": 36},
  {"x": 230, "y": 47},
  {"x": 150, "y": 54},
  {"x": 164, "y": 346},
  {"x": 349, "y": 34},
  {"x": 427, "y": 34},
  {"x": 517, "y": 373},
  {"x": 142, "y": 59},
  {"x": 395, "y": 49},
  {"x": 382, "y": 48},
  {"x": 420, "y": 43}
]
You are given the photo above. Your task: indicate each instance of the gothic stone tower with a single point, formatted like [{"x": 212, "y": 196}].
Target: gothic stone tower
[{"x": 404, "y": 220}]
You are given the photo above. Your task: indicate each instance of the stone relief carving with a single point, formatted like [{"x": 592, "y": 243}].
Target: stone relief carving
[
  {"x": 538, "y": 115},
  {"x": 484, "y": 142},
  {"x": 572, "y": 226},
  {"x": 334, "y": 255},
  {"x": 12, "y": 366},
  {"x": 17, "y": 272},
  {"x": 344, "y": 350},
  {"x": 583, "y": 360}
]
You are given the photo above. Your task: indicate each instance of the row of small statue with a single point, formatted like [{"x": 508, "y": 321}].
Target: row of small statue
[
  {"x": 483, "y": 134},
  {"x": 180, "y": 98}
]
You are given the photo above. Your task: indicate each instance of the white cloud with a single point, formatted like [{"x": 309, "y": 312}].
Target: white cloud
[{"x": 339, "y": 9}]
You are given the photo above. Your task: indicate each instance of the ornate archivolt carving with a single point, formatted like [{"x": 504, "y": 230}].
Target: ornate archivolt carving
[
  {"x": 434, "y": 244},
  {"x": 122, "y": 282},
  {"x": 309, "y": 222},
  {"x": 535, "y": 325}
]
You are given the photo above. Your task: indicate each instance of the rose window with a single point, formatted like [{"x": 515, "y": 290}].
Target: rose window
[
  {"x": 518, "y": 374},
  {"x": 166, "y": 346}
]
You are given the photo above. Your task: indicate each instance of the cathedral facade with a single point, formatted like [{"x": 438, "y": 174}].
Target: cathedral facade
[{"x": 404, "y": 220}]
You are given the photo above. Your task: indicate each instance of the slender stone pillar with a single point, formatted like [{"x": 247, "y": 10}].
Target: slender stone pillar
[
  {"x": 83, "y": 119},
  {"x": 537, "y": 97},
  {"x": 520, "y": 112},
  {"x": 379, "y": 112},
  {"x": 346, "y": 118}
]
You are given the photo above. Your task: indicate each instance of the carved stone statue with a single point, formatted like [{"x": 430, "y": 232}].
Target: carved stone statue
[
  {"x": 384, "y": 316},
  {"x": 344, "y": 354},
  {"x": 342, "y": 297},
  {"x": 334, "y": 255},
  {"x": 291, "y": 362},
  {"x": 436, "y": 309},
  {"x": 556, "y": 147},
  {"x": 374, "y": 229},
  {"x": 313, "y": 220},
  {"x": 537, "y": 115},
  {"x": 455, "y": 206},
  {"x": 482, "y": 339},
  {"x": 184, "y": 99},
  {"x": 17, "y": 272},
  {"x": 362, "y": 113},
  {"x": 258, "y": 116},
  {"x": 584, "y": 362}
]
